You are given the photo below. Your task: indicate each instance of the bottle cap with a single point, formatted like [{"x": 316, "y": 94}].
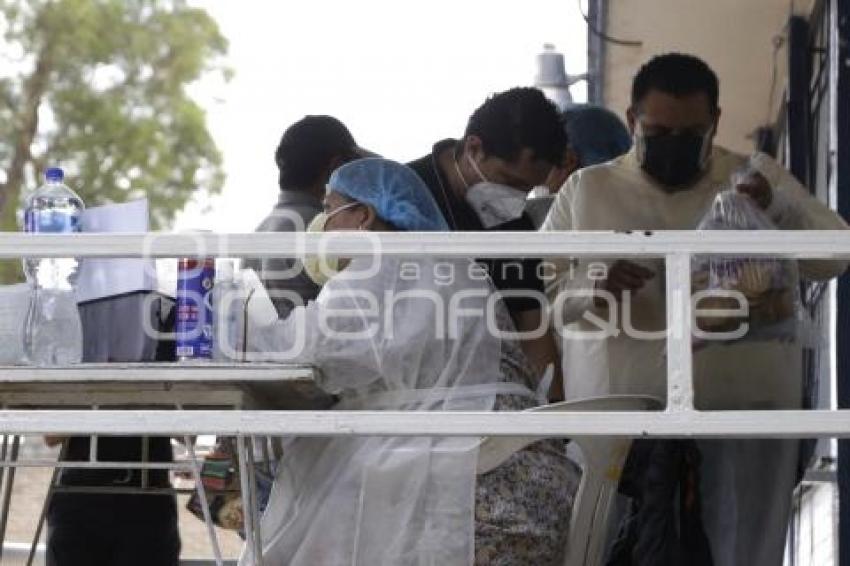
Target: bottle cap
[{"x": 54, "y": 175}]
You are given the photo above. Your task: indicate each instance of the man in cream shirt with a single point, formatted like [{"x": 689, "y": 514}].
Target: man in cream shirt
[{"x": 668, "y": 181}]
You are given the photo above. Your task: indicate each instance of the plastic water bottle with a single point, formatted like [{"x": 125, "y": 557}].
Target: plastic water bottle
[
  {"x": 53, "y": 333},
  {"x": 228, "y": 312}
]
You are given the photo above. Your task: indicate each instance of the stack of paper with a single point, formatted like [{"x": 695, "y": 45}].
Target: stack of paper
[{"x": 100, "y": 278}]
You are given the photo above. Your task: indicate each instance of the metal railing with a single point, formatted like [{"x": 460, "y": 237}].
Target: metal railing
[{"x": 677, "y": 248}]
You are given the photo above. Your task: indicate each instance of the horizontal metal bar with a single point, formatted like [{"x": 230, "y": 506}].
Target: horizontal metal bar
[
  {"x": 785, "y": 243},
  {"x": 89, "y": 465},
  {"x": 128, "y": 394},
  {"x": 679, "y": 424},
  {"x": 86, "y": 490},
  {"x": 188, "y": 372}
]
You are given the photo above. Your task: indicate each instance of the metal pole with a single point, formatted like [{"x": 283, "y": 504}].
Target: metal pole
[
  {"x": 7, "y": 493},
  {"x": 51, "y": 490},
  {"x": 839, "y": 29},
  {"x": 145, "y": 458},
  {"x": 255, "y": 508},
  {"x": 799, "y": 101},
  {"x": 251, "y": 540},
  {"x": 597, "y": 13},
  {"x": 4, "y": 471},
  {"x": 680, "y": 384},
  {"x": 93, "y": 442},
  {"x": 202, "y": 495}
]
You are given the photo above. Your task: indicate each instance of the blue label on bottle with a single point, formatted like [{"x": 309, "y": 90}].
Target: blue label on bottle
[
  {"x": 194, "y": 324},
  {"x": 49, "y": 221}
]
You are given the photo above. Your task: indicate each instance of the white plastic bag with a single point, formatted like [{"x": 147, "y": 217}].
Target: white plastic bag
[{"x": 763, "y": 291}]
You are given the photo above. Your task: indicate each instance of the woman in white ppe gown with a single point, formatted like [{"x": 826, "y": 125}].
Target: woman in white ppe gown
[{"x": 396, "y": 334}]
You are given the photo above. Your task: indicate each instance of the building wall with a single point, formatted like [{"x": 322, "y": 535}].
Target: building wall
[{"x": 734, "y": 37}]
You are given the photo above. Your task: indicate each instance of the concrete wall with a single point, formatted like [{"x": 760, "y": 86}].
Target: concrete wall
[{"x": 735, "y": 37}]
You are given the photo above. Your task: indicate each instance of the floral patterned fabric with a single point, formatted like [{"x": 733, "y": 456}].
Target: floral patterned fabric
[{"x": 523, "y": 507}]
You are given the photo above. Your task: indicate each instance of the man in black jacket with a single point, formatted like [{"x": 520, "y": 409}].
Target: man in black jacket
[{"x": 512, "y": 143}]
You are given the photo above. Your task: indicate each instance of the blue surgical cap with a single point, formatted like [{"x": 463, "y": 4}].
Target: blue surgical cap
[
  {"x": 394, "y": 190},
  {"x": 596, "y": 134}
]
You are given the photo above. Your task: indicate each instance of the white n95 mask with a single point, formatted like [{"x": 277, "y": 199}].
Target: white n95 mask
[
  {"x": 320, "y": 268},
  {"x": 496, "y": 204}
]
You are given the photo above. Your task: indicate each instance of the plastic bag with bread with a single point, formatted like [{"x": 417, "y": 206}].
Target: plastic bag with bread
[{"x": 760, "y": 292}]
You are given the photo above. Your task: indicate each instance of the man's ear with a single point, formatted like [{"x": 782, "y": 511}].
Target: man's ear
[
  {"x": 571, "y": 161},
  {"x": 716, "y": 121},
  {"x": 473, "y": 146}
]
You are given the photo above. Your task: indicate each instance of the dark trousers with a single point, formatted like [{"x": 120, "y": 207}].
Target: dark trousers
[
  {"x": 101, "y": 544},
  {"x": 663, "y": 525}
]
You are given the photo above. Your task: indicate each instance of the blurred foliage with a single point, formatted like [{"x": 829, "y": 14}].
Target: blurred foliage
[{"x": 99, "y": 87}]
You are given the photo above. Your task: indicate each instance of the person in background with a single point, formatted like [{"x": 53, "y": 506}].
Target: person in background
[
  {"x": 595, "y": 135},
  {"x": 111, "y": 526},
  {"x": 513, "y": 142},
  {"x": 309, "y": 151},
  {"x": 385, "y": 334},
  {"x": 668, "y": 181}
]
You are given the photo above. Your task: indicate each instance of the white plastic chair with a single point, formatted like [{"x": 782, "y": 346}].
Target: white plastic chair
[{"x": 604, "y": 458}]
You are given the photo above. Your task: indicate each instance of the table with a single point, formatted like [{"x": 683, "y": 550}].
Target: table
[{"x": 178, "y": 386}]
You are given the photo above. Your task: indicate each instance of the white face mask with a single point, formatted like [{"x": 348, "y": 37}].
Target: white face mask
[
  {"x": 320, "y": 268},
  {"x": 496, "y": 204}
]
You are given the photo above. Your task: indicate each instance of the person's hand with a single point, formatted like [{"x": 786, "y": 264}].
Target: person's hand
[
  {"x": 623, "y": 276},
  {"x": 755, "y": 186}
]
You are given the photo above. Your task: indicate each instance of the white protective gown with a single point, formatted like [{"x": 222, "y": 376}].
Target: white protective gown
[
  {"x": 396, "y": 339},
  {"x": 746, "y": 484}
]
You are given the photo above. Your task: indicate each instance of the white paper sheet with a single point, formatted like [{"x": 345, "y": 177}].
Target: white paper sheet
[{"x": 101, "y": 278}]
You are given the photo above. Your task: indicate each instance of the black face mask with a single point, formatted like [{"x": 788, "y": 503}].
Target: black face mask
[{"x": 674, "y": 160}]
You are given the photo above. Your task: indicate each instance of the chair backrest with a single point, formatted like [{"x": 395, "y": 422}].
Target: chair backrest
[{"x": 604, "y": 458}]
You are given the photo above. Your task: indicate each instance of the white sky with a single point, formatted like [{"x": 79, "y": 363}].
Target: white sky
[{"x": 400, "y": 74}]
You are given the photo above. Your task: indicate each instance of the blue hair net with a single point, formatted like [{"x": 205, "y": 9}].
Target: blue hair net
[
  {"x": 596, "y": 134},
  {"x": 394, "y": 190}
]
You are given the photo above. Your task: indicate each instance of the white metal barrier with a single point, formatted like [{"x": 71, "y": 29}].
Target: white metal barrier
[{"x": 679, "y": 419}]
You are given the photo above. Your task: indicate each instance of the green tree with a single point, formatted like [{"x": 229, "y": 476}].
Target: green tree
[{"x": 100, "y": 87}]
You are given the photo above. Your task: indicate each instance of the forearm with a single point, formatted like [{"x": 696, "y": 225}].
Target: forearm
[
  {"x": 541, "y": 352},
  {"x": 793, "y": 207}
]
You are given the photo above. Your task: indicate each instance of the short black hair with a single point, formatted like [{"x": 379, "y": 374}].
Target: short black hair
[
  {"x": 519, "y": 118},
  {"x": 308, "y": 147},
  {"x": 677, "y": 74}
]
